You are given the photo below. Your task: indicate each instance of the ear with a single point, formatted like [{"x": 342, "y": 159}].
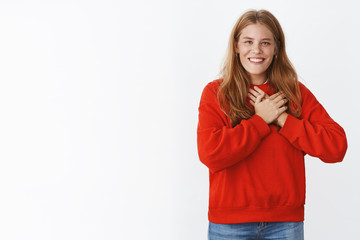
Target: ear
[
  {"x": 236, "y": 47},
  {"x": 275, "y": 52}
]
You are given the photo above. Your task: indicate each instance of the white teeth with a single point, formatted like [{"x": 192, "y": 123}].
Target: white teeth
[{"x": 256, "y": 59}]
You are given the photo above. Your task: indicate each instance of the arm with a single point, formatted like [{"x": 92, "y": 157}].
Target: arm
[
  {"x": 315, "y": 132},
  {"x": 220, "y": 145}
]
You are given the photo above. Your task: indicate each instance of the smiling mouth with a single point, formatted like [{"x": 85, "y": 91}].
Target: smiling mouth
[{"x": 256, "y": 60}]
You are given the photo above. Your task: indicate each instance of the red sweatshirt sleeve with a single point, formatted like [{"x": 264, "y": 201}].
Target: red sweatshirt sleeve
[
  {"x": 315, "y": 132},
  {"x": 220, "y": 145}
]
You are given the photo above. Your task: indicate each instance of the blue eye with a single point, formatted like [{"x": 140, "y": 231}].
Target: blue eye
[
  {"x": 265, "y": 43},
  {"x": 248, "y": 41}
]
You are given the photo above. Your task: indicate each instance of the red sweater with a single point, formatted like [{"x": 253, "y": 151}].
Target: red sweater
[{"x": 257, "y": 171}]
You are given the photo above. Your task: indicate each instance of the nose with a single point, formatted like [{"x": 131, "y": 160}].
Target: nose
[{"x": 256, "y": 48}]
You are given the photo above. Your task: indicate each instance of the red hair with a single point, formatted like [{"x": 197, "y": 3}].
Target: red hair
[{"x": 236, "y": 82}]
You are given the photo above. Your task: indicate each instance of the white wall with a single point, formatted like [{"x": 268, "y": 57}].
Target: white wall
[{"x": 98, "y": 114}]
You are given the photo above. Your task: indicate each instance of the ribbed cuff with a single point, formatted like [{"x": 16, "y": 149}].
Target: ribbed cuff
[
  {"x": 260, "y": 125},
  {"x": 290, "y": 129}
]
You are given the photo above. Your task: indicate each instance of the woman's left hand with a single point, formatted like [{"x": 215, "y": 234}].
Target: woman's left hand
[{"x": 254, "y": 93}]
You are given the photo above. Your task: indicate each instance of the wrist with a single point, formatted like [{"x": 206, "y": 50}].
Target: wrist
[
  {"x": 263, "y": 118},
  {"x": 281, "y": 119}
]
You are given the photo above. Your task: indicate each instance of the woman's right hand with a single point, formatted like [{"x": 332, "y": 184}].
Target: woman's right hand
[{"x": 269, "y": 108}]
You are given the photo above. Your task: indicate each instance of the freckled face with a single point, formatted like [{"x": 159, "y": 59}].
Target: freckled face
[{"x": 256, "y": 49}]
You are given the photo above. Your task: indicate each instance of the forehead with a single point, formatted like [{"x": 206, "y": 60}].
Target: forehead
[{"x": 256, "y": 31}]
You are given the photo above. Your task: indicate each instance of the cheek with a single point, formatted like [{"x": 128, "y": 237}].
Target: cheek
[
  {"x": 244, "y": 50},
  {"x": 243, "y": 59},
  {"x": 244, "y": 53},
  {"x": 270, "y": 52},
  {"x": 269, "y": 63}
]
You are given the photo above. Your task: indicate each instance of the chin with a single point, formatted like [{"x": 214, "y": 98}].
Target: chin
[{"x": 256, "y": 72}]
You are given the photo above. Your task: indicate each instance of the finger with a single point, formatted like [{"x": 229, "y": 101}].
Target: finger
[
  {"x": 259, "y": 98},
  {"x": 279, "y": 98},
  {"x": 261, "y": 91},
  {"x": 282, "y": 102},
  {"x": 283, "y": 95},
  {"x": 252, "y": 97},
  {"x": 252, "y": 102},
  {"x": 282, "y": 109},
  {"x": 275, "y": 95},
  {"x": 258, "y": 90},
  {"x": 253, "y": 92}
]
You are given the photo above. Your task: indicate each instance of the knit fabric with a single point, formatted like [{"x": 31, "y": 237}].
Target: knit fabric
[{"x": 256, "y": 170}]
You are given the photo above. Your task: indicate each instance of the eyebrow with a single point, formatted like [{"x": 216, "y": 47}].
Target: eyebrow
[{"x": 261, "y": 39}]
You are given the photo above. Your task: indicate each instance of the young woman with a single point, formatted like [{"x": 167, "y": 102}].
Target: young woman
[{"x": 256, "y": 124}]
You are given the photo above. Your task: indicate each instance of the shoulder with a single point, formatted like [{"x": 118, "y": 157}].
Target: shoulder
[
  {"x": 210, "y": 92},
  {"x": 308, "y": 101},
  {"x": 302, "y": 87},
  {"x": 212, "y": 87},
  {"x": 305, "y": 92}
]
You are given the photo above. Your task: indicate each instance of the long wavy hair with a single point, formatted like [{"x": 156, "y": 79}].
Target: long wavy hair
[{"x": 236, "y": 81}]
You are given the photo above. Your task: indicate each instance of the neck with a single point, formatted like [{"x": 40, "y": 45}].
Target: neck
[{"x": 258, "y": 80}]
